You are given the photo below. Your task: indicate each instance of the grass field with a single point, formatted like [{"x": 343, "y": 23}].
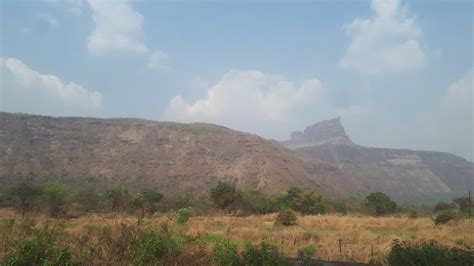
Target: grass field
[{"x": 334, "y": 237}]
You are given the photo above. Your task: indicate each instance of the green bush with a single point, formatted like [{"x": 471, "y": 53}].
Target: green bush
[
  {"x": 258, "y": 202},
  {"x": 317, "y": 208},
  {"x": 153, "y": 246},
  {"x": 183, "y": 215},
  {"x": 304, "y": 202},
  {"x": 286, "y": 218},
  {"x": 428, "y": 254},
  {"x": 224, "y": 195},
  {"x": 225, "y": 253},
  {"x": 56, "y": 198},
  {"x": 444, "y": 218},
  {"x": 264, "y": 254},
  {"x": 307, "y": 254},
  {"x": 24, "y": 196},
  {"x": 380, "y": 203},
  {"x": 39, "y": 251}
]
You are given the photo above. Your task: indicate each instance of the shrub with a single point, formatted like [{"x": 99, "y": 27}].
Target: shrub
[
  {"x": 443, "y": 206},
  {"x": 118, "y": 199},
  {"x": 380, "y": 203},
  {"x": 225, "y": 253},
  {"x": 55, "y": 197},
  {"x": 264, "y": 254},
  {"x": 304, "y": 202},
  {"x": 87, "y": 199},
  {"x": 24, "y": 195},
  {"x": 317, "y": 208},
  {"x": 257, "y": 202},
  {"x": 39, "y": 251},
  {"x": 286, "y": 218},
  {"x": 153, "y": 246},
  {"x": 307, "y": 254},
  {"x": 224, "y": 195},
  {"x": 428, "y": 254},
  {"x": 463, "y": 204},
  {"x": 413, "y": 214},
  {"x": 444, "y": 218},
  {"x": 183, "y": 215}
]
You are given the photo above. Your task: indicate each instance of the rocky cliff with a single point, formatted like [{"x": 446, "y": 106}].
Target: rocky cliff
[
  {"x": 404, "y": 174},
  {"x": 324, "y": 132}
]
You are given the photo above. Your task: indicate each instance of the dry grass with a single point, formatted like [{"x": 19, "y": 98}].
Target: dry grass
[{"x": 362, "y": 238}]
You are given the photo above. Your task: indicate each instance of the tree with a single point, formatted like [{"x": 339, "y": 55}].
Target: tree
[
  {"x": 87, "y": 199},
  {"x": 257, "y": 202},
  {"x": 24, "y": 195},
  {"x": 380, "y": 203},
  {"x": 118, "y": 199},
  {"x": 55, "y": 197},
  {"x": 304, "y": 202},
  {"x": 146, "y": 201},
  {"x": 224, "y": 195},
  {"x": 463, "y": 204}
]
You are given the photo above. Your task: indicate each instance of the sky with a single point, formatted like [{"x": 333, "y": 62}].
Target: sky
[{"x": 398, "y": 73}]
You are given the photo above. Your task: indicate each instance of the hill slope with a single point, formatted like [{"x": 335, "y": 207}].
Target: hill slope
[
  {"x": 401, "y": 173},
  {"x": 170, "y": 156}
]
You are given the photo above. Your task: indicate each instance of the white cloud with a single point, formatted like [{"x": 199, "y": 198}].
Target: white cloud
[
  {"x": 457, "y": 117},
  {"x": 157, "y": 60},
  {"x": 459, "y": 94},
  {"x": 26, "y": 90},
  {"x": 118, "y": 28},
  {"x": 73, "y": 7},
  {"x": 246, "y": 100},
  {"x": 386, "y": 43}
]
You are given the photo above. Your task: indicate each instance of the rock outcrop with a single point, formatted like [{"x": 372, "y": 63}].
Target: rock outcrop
[
  {"x": 324, "y": 132},
  {"x": 403, "y": 174}
]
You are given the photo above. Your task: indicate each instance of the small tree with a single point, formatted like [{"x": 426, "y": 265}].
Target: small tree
[
  {"x": 55, "y": 196},
  {"x": 87, "y": 199},
  {"x": 118, "y": 199},
  {"x": 304, "y": 202},
  {"x": 463, "y": 204},
  {"x": 286, "y": 218},
  {"x": 24, "y": 195},
  {"x": 224, "y": 195},
  {"x": 146, "y": 201},
  {"x": 380, "y": 203}
]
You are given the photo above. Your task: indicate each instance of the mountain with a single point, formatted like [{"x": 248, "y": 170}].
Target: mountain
[
  {"x": 176, "y": 158},
  {"x": 401, "y": 173},
  {"x": 170, "y": 156}
]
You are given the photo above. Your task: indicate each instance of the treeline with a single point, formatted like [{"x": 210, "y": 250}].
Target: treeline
[{"x": 60, "y": 200}]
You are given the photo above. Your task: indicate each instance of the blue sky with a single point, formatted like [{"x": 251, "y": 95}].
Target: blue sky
[{"x": 399, "y": 73}]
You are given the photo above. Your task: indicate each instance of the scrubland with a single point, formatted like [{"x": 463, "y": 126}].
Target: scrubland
[{"x": 101, "y": 238}]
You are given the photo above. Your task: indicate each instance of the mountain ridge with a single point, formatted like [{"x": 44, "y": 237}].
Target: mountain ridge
[{"x": 179, "y": 158}]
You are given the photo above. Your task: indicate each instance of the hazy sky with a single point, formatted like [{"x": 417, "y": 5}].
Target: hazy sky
[{"x": 400, "y": 74}]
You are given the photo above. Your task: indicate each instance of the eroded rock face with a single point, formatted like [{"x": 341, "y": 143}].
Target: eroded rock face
[
  {"x": 324, "y": 132},
  {"x": 403, "y": 174}
]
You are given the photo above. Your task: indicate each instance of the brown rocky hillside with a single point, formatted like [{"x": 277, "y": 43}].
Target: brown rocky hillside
[
  {"x": 170, "y": 156},
  {"x": 404, "y": 174}
]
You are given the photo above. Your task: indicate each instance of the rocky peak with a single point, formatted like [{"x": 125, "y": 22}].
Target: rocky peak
[{"x": 324, "y": 132}]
